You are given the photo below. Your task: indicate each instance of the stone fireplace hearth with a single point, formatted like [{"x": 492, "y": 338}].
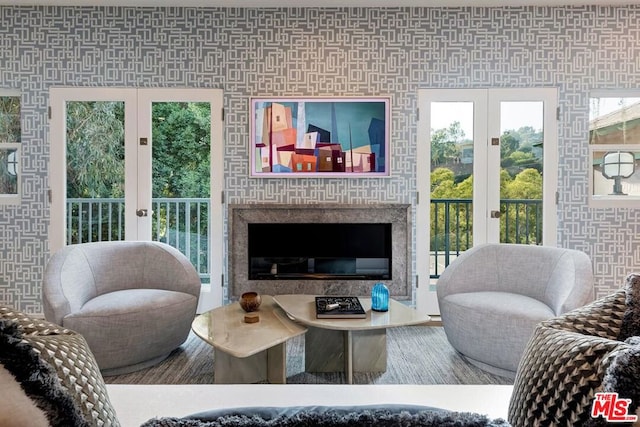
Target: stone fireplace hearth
[{"x": 241, "y": 215}]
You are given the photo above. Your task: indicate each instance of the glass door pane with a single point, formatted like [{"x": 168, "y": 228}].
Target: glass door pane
[
  {"x": 452, "y": 161},
  {"x": 521, "y": 168},
  {"x": 95, "y": 171},
  {"x": 181, "y": 183}
]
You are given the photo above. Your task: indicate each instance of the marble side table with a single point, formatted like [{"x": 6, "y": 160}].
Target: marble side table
[{"x": 248, "y": 352}]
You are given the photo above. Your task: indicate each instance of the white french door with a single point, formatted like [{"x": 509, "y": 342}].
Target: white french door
[
  {"x": 487, "y": 172},
  {"x": 111, "y": 181}
]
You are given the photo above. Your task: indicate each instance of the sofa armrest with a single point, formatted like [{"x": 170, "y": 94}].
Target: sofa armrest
[{"x": 571, "y": 283}]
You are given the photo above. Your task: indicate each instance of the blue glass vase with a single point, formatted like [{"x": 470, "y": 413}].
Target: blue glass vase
[{"x": 380, "y": 297}]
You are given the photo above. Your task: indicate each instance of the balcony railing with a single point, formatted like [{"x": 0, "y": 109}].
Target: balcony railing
[
  {"x": 452, "y": 226},
  {"x": 182, "y": 223}
]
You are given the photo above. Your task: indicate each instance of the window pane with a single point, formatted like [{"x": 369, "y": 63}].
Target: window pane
[
  {"x": 9, "y": 119},
  {"x": 181, "y": 159},
  {"x": 8, "y": 171},
  {"x": 614, "y": 136},
  {"x": 95, "y": 171},
  {"x": 614, "y": 173},
  {"x": 451, "y": 181},
  {"x": 521, "y": 164},
  {"x": 614, "y": 120},
  {"x": 9, "y": 137}
]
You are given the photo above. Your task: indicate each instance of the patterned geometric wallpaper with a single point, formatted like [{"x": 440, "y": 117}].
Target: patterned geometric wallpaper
[{"x": 320, "y": 52}]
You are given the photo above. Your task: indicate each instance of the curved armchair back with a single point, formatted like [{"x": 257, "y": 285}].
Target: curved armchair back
[
  {"x": 560, "y": 278},
  {"x": 78, "y": 273}
]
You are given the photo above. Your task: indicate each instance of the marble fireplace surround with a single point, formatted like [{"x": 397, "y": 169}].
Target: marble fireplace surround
[{"x": 240, "y": 215}]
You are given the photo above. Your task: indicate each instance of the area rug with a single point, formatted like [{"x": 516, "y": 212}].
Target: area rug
[{"x": 416, "y": 355}]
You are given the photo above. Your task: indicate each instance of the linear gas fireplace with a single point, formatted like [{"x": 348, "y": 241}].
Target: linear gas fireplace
[
  {"x": 320, "y": 251},
  {"x": 325, "y": 249}
]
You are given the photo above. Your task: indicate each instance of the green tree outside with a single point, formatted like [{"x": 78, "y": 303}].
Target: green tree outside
[
  {"x": 181, "y": 152},
  {"x": 520, "y": 179},
  {"x": 180, "y": 162},
  {"x": 181, "y": 169},
  {"x": 95, "y": 149}
]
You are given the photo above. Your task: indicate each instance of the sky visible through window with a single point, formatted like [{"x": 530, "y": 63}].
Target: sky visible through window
[
  {"x": 602, "y": 106},
  {"x": 513, "y": 115}
]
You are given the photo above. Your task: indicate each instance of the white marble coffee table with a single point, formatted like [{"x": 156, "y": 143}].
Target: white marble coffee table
[
  {"x": 360, "y": 345},
  {"x": 248, "y": 352}
]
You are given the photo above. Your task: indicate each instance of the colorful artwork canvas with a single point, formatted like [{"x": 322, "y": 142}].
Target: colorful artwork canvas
[{"x": 303, "y": 137}]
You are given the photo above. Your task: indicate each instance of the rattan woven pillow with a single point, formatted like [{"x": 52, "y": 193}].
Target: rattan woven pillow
[{"x": 68, "y": 353}]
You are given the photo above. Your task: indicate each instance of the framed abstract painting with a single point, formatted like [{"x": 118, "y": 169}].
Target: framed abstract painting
[{"x": 319, "y": 137}]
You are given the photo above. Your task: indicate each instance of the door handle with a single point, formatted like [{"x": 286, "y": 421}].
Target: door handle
[
  {"x": 495, "y": 214},
  {"x": 142, "y": 212}
]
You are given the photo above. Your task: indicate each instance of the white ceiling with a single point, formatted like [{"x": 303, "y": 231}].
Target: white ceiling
[{"x": 314, "y": 3}]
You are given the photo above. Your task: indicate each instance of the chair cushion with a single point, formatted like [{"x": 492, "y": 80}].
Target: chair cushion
[
  {"x": 61, "y": 364},
  {"x": 478, "y": 323},
  {"x": 134, "y": 304},
  {"x": 126, "y": 328}
]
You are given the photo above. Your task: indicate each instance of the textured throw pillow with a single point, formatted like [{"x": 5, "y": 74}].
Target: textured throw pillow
[
  {"x": 16, "y": 408},
  {"x": 623, "y": 373},
  {"x": 31, "y": 391},
  {"x": 631, "y": 320},
  {"x": 73, "y": 363}
]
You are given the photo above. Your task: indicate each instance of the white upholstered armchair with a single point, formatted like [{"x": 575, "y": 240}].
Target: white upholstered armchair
[
  {"x": 493, "y": 295},
  {"x": 132, "y": 301}
]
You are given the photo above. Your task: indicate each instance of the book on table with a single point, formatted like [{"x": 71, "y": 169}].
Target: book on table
[{"x": 339, "y": 307}]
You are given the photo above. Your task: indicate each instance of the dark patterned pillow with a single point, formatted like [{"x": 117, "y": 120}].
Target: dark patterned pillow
[
  {"x": 631, "y": 320},
  {"x": 623, "y": 373},
  {"x": 68, "y": 353},
  {"x": 39, "y": 396}
]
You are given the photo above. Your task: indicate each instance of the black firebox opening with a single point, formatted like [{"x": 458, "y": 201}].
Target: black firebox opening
[{"x": 358, "y": 251}]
